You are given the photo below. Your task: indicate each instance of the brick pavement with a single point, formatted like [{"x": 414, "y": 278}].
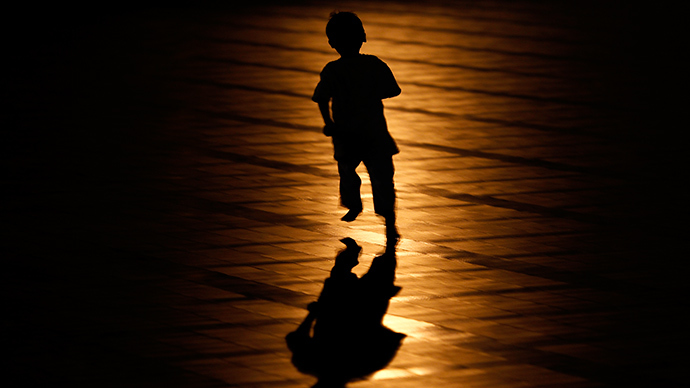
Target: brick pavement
[{"x": 172, "y": 203}]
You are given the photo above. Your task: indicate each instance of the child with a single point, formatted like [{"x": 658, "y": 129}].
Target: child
[{"x": 354, "y": 85}]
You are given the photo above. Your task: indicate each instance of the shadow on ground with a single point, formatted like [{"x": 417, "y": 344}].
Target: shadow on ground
[{"x": 343, "y": 337}]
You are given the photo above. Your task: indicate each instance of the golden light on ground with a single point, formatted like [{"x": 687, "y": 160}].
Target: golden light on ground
[{"x": 190, "y": 217}]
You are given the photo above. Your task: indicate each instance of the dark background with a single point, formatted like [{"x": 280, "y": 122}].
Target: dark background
[{"x": 86, "y": 101}]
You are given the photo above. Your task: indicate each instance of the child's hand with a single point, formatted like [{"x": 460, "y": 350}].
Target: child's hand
[{"x": 329, "y": 129}]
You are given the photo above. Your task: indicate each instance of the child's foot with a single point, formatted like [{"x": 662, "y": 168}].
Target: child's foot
[{"x": 351, "y": 215}]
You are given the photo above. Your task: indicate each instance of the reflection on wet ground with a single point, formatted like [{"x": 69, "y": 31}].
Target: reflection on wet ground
[
  {"x": 343, "y": 338},
  {"x": 171, "y": 206}
]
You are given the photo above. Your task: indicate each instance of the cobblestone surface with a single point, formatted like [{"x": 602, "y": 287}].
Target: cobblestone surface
[{"x": 172, "y": 205}]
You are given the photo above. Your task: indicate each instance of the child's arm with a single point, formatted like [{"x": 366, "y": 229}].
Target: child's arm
[{"x": 325, "y": 109}]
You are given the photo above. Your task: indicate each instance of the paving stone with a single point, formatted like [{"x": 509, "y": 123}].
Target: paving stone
[{"x": 171, "y": 205}]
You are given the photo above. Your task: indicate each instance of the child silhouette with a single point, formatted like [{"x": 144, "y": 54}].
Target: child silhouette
[{"x": 352, "y": 89}]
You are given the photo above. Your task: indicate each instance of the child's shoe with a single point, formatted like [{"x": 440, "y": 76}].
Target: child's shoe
[{"x": 351, "y": 215}]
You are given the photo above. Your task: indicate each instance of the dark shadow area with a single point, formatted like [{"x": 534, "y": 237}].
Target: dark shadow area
[
  {"x": 86, "y": 148},
  {"x": 115, "y": 165},
  {"x": 343, "y": 337}
]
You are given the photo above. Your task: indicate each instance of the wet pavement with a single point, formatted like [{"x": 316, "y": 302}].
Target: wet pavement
[{"x": 171, "y": 204}]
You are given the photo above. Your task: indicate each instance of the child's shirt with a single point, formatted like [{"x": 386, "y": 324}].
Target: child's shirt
[{"x": 356, "y": 86}]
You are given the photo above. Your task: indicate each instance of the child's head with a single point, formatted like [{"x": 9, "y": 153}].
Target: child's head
[
  {"x": 345, "y": 32},
  {"x": 348, "y": 257}
]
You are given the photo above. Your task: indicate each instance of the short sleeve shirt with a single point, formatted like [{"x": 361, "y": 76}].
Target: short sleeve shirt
[{"x": 356, "y": 86}]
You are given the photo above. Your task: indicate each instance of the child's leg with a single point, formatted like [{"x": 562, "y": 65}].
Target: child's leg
[
  {"x": 381, "y": 173},
  {"x": 350, "y": 184}
]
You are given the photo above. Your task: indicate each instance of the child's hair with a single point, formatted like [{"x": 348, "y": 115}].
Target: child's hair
[{"x": 345, "y": 29}]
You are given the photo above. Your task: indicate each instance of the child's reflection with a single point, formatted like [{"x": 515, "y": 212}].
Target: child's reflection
[{"x": 349, "y": 340}]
